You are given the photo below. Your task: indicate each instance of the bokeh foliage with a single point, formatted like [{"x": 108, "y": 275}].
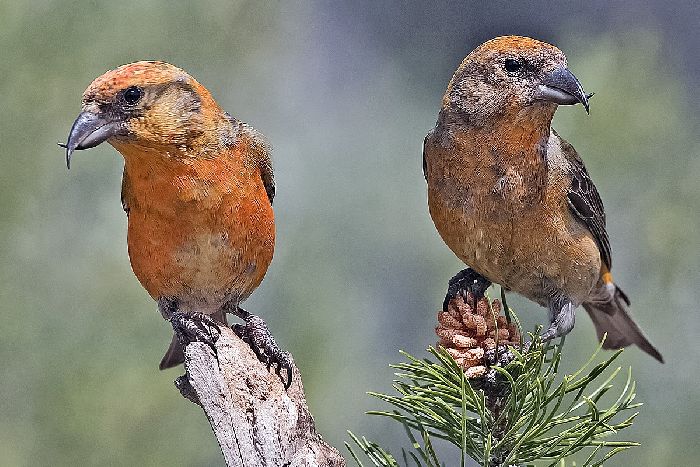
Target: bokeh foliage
[{"x": 359, "y": 269}]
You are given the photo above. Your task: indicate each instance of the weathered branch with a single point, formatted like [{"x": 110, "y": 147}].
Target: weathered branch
[{"x": 256, "y": 422}]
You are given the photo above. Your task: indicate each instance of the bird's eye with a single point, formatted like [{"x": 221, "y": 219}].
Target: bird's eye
[
  {"x": 512, "y": 66},
  {"x": 132, "y": 95}
]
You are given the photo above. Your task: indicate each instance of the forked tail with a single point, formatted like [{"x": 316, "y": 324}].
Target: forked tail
[{"x": 608, "y": 308}]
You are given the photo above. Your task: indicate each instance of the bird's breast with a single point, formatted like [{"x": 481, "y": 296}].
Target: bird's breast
[
  {"x": 508, "y": 221},
  {"x": 203, "y": 234}
]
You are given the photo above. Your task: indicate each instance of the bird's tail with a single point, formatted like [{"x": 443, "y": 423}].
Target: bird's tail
[
  {"x": 173, "y": 356},
  {"x": 608, "y": 308}
]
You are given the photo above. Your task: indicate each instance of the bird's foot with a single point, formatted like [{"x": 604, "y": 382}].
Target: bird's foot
[
  {"x": 195, "y": 327},
  {"x": 466, "y": 280},
  {"x": 256, "y": 334},
  {"x": 562, "y": 321},
  {"x": 167, "y": 306}
]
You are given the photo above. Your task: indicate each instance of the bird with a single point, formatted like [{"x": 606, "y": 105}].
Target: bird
[
  {"x": 197, "y": 189},
  {"x": 513, "y": 200}
]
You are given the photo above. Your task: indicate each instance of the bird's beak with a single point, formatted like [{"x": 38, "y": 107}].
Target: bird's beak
[
  {"x": 89, "y": 130},
  {"x": 561, "y": 87}
]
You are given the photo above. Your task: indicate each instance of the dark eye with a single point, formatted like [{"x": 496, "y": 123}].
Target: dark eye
[
  {"x": 512, "y": 65},
  {"x": 132, "y": 95}
]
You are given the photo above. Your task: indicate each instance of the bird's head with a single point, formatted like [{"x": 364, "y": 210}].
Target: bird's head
[
  {"x": 512, "y": 74},
  {"x": 148, "y": 105}
]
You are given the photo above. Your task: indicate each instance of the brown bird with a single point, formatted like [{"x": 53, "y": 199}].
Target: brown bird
[
  {"x": 197, "y": 190},
  {"x": 513, "y": 200}
]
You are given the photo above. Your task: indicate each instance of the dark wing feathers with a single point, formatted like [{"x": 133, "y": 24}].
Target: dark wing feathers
[
  {"x": 126, "y": 192},
  {"x": 585, "y": 201},
  {"x": 260, "y": 151},
  {"x": 268, "y": 178},
  {"x": 425, "y": 164}
]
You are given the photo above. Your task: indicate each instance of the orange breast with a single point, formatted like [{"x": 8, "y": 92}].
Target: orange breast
[{"x": 200, "y": 230}]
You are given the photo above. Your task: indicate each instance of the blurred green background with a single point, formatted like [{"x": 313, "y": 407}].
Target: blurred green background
[{"x": 345, "y": 92}]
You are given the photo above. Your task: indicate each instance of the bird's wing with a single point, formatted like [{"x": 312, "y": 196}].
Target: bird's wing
[
  {"x": 126, "y": 193},
  {"x": 425, "y": 165},
  {"x": 268, "y": 176},
  {"x": 259, "y": 150},
  {"x": 585, "y": 201},
  {"x": 431, "y": 141}
]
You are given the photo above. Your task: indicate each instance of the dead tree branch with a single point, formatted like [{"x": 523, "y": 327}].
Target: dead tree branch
[{"x": 256, "y": 422}]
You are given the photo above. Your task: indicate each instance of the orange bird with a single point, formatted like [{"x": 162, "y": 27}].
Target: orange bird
[
  {"x": 513, "y": 200},
  {"x": 197, "y": 190}
]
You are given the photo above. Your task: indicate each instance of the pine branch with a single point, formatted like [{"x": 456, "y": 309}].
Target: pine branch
[{"x": 519, "y": 410}]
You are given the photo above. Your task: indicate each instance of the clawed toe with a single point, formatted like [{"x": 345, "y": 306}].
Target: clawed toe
[
  {"x": 257, "y": 335},
  {"x": 467, "y": 280},
  {"x": 284, "y": 362},
  {"x": 562, "y": 320},
  {"x": 195, "y": 327}
]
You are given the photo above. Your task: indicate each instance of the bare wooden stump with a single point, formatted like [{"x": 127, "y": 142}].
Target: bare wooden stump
[{"x": 256, "y": 422}]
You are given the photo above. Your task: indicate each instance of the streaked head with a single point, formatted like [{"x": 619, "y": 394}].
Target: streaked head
[{"x": 512, "y": 73}]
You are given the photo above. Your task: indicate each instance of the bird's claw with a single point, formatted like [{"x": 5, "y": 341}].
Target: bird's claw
[
  {"x": 466, "y": 280},
  {"x": 195, "y": 327},
  {"x": 562, "y": 318},
  {"x": 257, "y": 335}
]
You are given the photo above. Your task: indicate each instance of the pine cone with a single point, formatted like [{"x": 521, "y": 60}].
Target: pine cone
[{"x": 470, "y": 335}]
